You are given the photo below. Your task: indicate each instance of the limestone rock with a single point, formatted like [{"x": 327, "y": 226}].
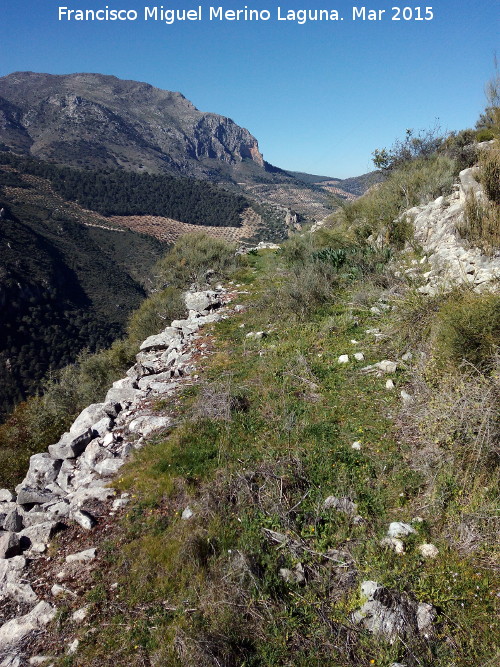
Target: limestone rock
[
  {"x": 43, "y": 470},
  {"x": 148, "y": 424},
  {"x": 343, "y": 504},
  {"x": 71, "y": 445},
  {"x": 109, "y": 467},
  {"x": 80, "y": 615},
  {"x": 391, "y": 614},
  {"x": 32, "y": 496},
  {"x": 88, "y": 417},
  {"x": 82, "y": 556},
  {"x": 40, "y": 533},
  {"x": 73, "y": 647},
  {"x": 162, "y": 340},
  {"x": 343, "y": 359},
  {"x": 84, "y": 519},
  {"x": 9, "y": 545},
  {"x": 428, "y": 550},
  {"x": 18, "y": 628},
  {"x": 123, "y": 392},
  {"x": 202, "y": 302},
  {"x": 399, "y": 529},
  {"x": 6, "y": 496},
  {"x": 13, "y": 521},
  {"x": 393, "y": 543}
]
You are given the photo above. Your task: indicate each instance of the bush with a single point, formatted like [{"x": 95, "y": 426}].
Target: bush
[
  {"x": 462, "y": 148},
  {"x": 416, "y": 182},
  {"x": 490, "y": 174},
  {"x": 414, "y": 146},
  {"x": 468, "y": 328},
  {"x": 196, "y": 259},
  {"x": 155, "y": 313},
  {"x": 481, "y": 223}
]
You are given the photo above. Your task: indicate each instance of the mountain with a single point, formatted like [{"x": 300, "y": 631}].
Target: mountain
[
  {"x": 99, "y": 121},
  {"x": 95, "y": 120}
]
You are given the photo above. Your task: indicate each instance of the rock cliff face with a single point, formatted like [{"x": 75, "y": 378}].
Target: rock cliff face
[{"x": 101, "y": 121}]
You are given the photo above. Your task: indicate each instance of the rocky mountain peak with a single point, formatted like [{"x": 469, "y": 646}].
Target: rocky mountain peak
[{"x": 96, "y": 120}]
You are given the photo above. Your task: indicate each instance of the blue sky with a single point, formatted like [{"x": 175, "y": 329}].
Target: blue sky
[{"x": 319, "y": 97}]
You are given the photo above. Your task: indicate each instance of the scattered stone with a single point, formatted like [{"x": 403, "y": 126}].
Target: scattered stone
[
  {"x": 400, "y": 529},
  {"x": 6, "y": 496},
  {"x": 394, "y": 544},
  {"x": 73, "y": 647},
  {"x": 295, "y": 576},
  {"x": 387, "y": 366},
  {"x": 82, "y": 556},
  {"x": 356, "y": 445},
  {"x": 187, "y": 514},
  {"x": 428, "y": 550},
  {"x": 343, "y": 504},
  {"x": 359, "y": 356},
  {"x": 9, "y": 545},
  {"x": 17, "y": 628},
  {"x": 375, "y": 310},
  {"x": 343, "y": 359},
  {"x": 390, "y": 384},
  {"x": 59, "y": 591},
  {"x": 71, "y": 446},
  {"x": 40, "y": 659},
  {"x": 354, "y": 342},
  {"x": 119, "y": 503},
  {"x": 407, "y": 398},
  {"x": 84, "y": 519},
  {"x": 408, "y": 356},
  {"x": 13, "y": 522},
  {"x": 391, "y": 614},
  {"x": 80, "y": 614}
]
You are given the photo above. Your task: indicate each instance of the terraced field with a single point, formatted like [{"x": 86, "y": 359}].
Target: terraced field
[{"x": 168, "y": 230}]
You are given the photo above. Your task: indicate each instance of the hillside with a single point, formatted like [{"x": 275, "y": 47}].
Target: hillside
[
  {"x": 301, "y": 471},
  {"x": 95, "y": 121},
  {"x": 68, "y": 281}
]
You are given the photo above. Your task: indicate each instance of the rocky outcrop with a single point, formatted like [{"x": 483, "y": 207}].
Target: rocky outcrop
[
  {"x": 450, "y": 258},
  {"x": 391, "y": 614},
  {"x": 64, "y": 485}
]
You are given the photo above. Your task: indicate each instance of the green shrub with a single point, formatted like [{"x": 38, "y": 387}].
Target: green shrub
[
  {"x": 196, "y": 259},
  {"x": 155, "y": 313},
  {"x": 485, "y": 135},
  {"x": 468, "y": 328},
  {"x": 490, "y": 174},
  {"x": 414, "y": 183},
  {"x": 481, "y": 223}
]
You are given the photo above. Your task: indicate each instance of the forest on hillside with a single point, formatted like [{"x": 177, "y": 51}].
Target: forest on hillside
[{"x": 113, "y": 192}]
